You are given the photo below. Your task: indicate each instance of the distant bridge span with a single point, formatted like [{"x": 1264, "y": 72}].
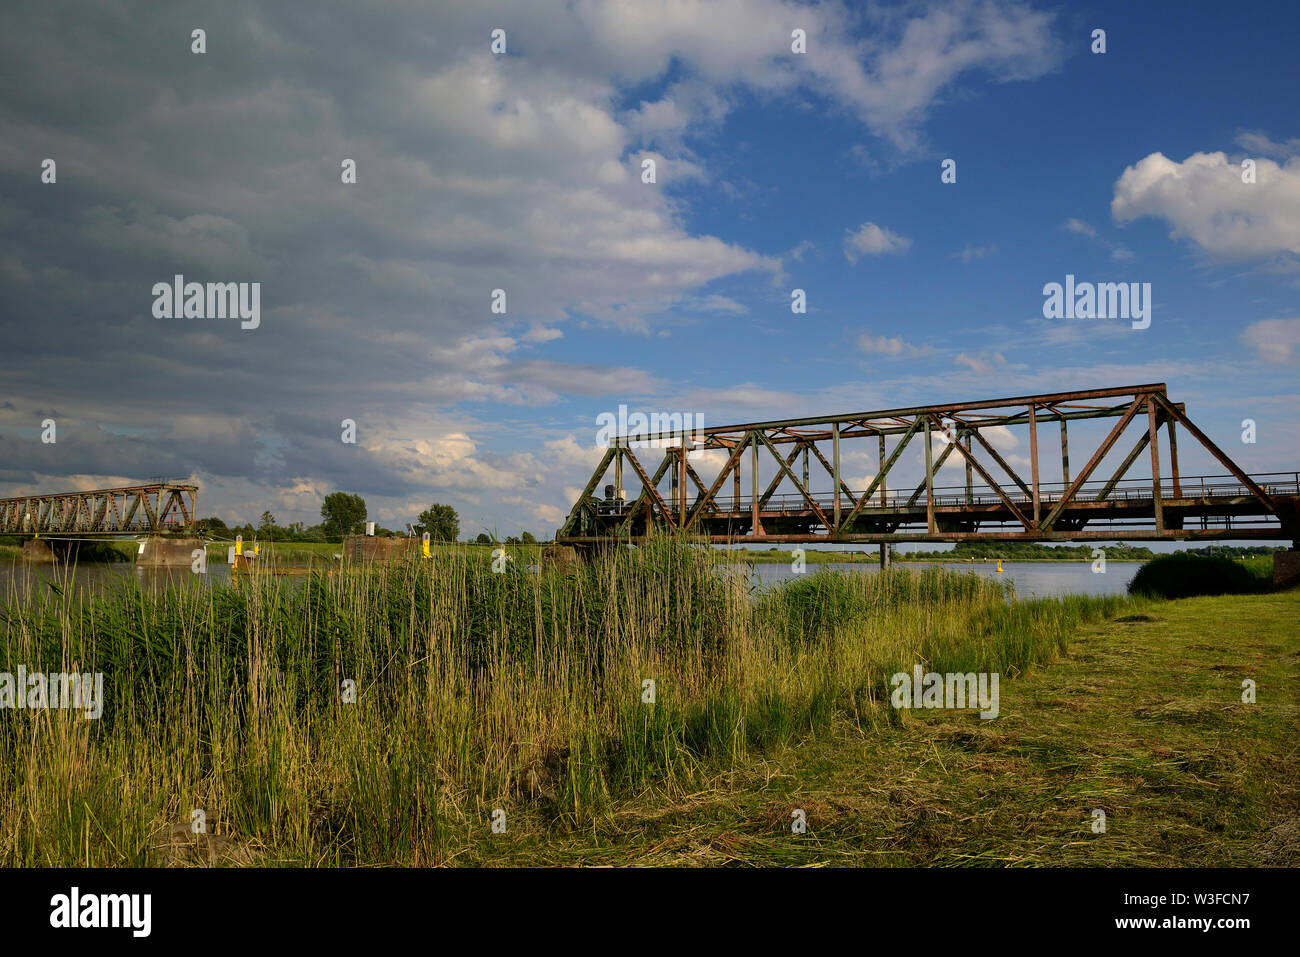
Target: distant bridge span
[
  {"x": 1008, "y": 504},
  {"x": 155, "y": 509}
]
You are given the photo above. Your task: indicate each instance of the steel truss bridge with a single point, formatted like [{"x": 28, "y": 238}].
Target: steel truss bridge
[
  {"x": 103, "y": 513},
  {"x": 1008, "y": 504}
]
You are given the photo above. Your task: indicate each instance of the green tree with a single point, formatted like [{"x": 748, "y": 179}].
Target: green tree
[
  {"x": 440, "y": 521},
  {"x": 484, "y": 538},
  {"x": 528, "y": 539},
  {"x": 343, "y": 514}
]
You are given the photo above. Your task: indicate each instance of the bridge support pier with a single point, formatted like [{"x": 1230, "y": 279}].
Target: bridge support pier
[
  {"x": 37, "y": 551},
  {"x": 167, "y": 552},
  {"x": 884, "y": 555},
  {"x": 1286, "y": 568}
]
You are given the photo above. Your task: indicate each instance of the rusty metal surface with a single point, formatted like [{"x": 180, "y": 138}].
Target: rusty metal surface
[
  {"x": 1010, "y": 506},
  {"x": 155, "y": 508}
]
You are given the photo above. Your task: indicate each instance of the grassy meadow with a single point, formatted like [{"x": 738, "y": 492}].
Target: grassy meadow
[{"x": 523, "y": 692}]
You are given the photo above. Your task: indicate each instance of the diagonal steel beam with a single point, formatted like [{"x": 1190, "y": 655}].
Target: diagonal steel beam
[
  {"x": 988, "y": 479},
  {"x": 1093, "y": 462},
  {"x": 1218, "y": 453},
  {"x": 880, "y": 477},
  {"x": 733, "y": 461},
  {"x": 785, "y": 467}
]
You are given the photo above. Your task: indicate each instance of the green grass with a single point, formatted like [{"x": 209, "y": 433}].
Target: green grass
[
  {"x": 524, "y": 691},
  {"x": 1141, "y": 718},
  {"x": 475, "y": 690}
]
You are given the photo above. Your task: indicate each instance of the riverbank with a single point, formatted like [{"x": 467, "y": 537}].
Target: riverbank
[
  {"x": 1140, "y": 717},
  {"x": 382, "y": 715}
]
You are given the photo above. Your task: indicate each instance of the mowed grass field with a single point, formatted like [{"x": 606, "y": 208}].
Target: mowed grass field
[{"x": 1140, "y": 717}]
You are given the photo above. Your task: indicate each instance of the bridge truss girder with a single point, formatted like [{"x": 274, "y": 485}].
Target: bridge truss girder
[
  {"x": 1017, "y": 507},
  {"x": 151, "y": 509}
]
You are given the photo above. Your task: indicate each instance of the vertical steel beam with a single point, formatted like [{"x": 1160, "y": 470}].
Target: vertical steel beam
[
  {"x": 681, "y": 484},
  {"x": 753, "y": 464},
  {"x": 835, "y": 460},
  {"x": 805, "y": 466},
  {"x": 1033, "y": 459},
  {"x": 1152, "y": 431},
  {"x": 970, "y": 473},
  {"x": 1065, "y": 454},
  {"x": 929, "y": 479},
  {"x": 881, "y": 470},
  {"x": 1173, "y": 455},
  {"x": 673, "y": 476}
]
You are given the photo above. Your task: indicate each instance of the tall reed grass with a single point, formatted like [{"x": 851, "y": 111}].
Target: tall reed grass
[{"x": 474, "y": 690}]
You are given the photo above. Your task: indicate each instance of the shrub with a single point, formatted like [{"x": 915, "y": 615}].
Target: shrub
[{"x": 1184, "y": 576}]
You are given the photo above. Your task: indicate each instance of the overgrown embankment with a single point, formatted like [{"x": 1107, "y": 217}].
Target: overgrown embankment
[{"x": 380, "y": 715}]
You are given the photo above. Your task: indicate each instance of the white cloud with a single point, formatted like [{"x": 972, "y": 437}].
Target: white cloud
[
  {"x": 1256, "y": 142},
  {"x": 982, "y": 364},
  {"x": 1080, "y": 227},
  {"x": 890, "y": 346},
  {"x": 1275, "y": 340},
  {"x": 872, "y": 240},
  {"x": 1204, "y": 200},
  {"x": 971, "y": 252}
]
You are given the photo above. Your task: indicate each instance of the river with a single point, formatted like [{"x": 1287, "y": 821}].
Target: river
[{"x": 1032, "y": 579}]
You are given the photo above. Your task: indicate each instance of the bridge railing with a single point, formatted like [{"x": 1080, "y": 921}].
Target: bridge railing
[{"x": 1136, "y": 490}]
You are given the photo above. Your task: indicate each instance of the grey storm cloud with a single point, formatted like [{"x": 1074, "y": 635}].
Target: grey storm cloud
[{"x": 473, "y": 173}]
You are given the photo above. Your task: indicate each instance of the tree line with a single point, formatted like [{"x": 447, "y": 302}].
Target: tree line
[{"x": 344, "y": 514}]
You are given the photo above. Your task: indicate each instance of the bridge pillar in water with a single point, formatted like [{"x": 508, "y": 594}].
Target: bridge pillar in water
[
  {"x": 374, "y": 548},
  {"x": 37, "y": 551},
  {"x": 884, "y": 555},
  {"x": 167, "y": 552},
  {"x": 563, "y": 556}
]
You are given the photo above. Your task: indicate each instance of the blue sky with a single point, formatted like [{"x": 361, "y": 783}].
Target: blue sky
[{"x": 520, "y": 171}]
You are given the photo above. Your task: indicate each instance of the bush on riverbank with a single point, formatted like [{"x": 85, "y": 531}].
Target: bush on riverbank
[{"x": 1183, "y": 575}]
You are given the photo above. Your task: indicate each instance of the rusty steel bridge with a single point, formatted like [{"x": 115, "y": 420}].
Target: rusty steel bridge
[
  {"x": 156, "y": 509},
  {"x": 1007, "y": 504}
]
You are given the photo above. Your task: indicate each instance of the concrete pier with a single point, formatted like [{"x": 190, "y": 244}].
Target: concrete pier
[
  {"x": 37, "y": 551},
  {"x": 167, "y": 552},
  {"x": 375, "y": 548},
  {"x": 1286, "y": 568}
]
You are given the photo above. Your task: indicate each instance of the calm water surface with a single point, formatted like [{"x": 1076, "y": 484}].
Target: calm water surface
[{"x": 1032, "y": 579}]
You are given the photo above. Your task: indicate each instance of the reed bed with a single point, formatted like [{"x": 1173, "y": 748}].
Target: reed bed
[{"x": 474, "y": 690}]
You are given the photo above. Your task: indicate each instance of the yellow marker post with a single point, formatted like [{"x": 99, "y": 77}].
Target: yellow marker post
[
  {"x": 239, "y": 546},
  {"x": 257, "y": 549},
  {"x": 424, "y": 545},
  {"x": 999, "y": 566}
]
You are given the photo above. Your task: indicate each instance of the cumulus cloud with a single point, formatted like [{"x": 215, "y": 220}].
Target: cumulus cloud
[
  {"x": 1274, "y": 340},
  {"x": 1204, "y": 200},
  {"x": 890, "y": 346},
  {"x": 872, "y": 240}
]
